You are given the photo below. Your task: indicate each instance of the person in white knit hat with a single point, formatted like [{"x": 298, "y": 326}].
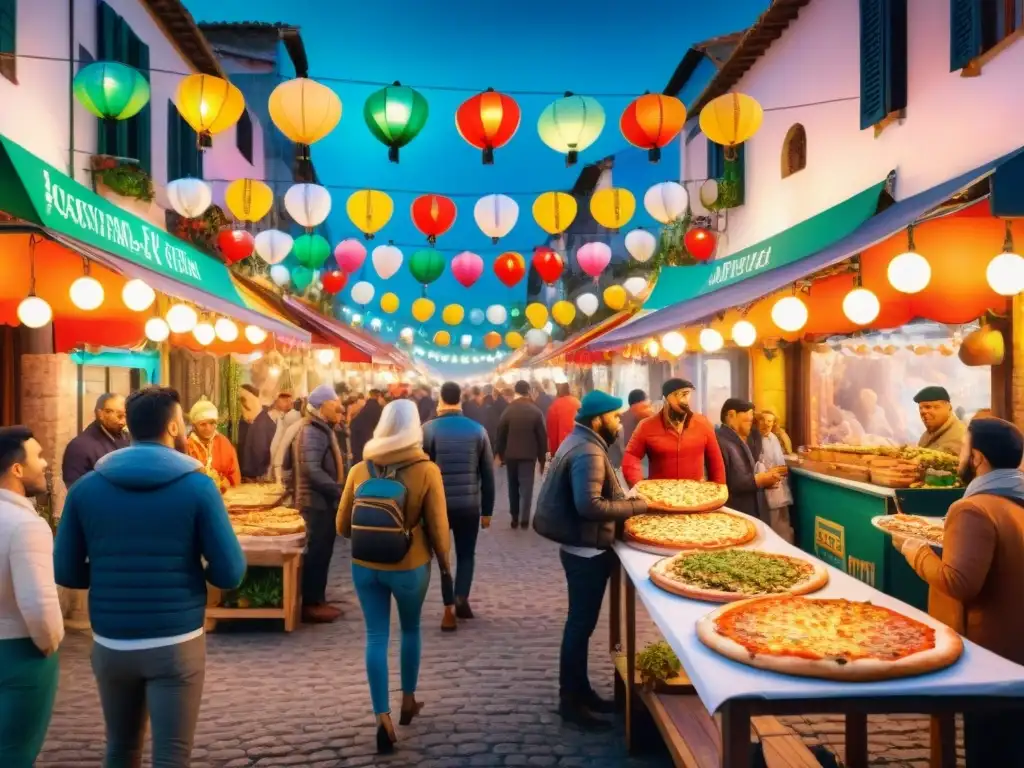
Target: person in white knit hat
[{"x": 212, "y": 449}]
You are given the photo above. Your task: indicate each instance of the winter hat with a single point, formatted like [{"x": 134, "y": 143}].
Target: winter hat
[
  {"x": 597, "y": 403},
  {"x": 674, "y": 385},
  {"x": 322, "y": 394},
  {"x": 203, "y": 410}
]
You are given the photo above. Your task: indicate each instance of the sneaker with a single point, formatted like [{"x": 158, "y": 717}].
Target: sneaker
[
  {"x": 462, "y": 609},
  {"x": 576, "y": 713}
]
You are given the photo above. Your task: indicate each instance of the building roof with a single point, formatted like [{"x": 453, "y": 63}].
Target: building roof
[
  {"x": 289, "y": 34},
  {"x": 715, "y": 49},
  {"x": 185, "y": 34}
]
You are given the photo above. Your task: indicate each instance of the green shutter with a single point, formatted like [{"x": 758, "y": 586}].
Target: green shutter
[
  {"x": 106, "y": 50},
  {"x": 872, "y": 63},
  {"x": 964, "y": 32},
  {"x": 739, "y": 173},
  {"x": 173, "y": 143},
  {"x": 144, "y": 120},
  {"x": 716, "y": 160},
  {"x": 8, "y": 26}
]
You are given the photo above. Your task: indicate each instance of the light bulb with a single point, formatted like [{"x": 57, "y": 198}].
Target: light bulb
[
  {"x": 204, "y": 333},
  {"x": 254, "y": 334},
  {"x": 789, "y": 314},
  {"x": 86, "y": 293},
  {"x": 711, "y": 340},
  {"x": 34, "y": 312},
  {"x": 744, "y": 334},
  {"x": 226, "y": 329},
  {"x": 407, "y": 334},
  {"x": 909, "y": 272},
  {"x": 325, "y": 356},
  {"x": 861, "y": 306},
  {"x": 181, "y": 318},
  {"x": 157, "y": 329},
  {"x": 653, "y": 348},
  {"x": 274, "y": 370},
  {"x": 674, "y": 343},
  {"x": 1005, "y": 274},
  {"x": 137, "y": 295}
]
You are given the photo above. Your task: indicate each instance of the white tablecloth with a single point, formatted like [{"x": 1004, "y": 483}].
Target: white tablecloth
[{"x": 717, "y": 679}]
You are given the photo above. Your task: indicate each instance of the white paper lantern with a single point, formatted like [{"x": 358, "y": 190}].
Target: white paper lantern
[
  {"x": 375, "y": 324},
  {"x": 387, "y": 260},
  {"x": 137, "y": 295},
  {"x": 674, "y": 343},
  {"x": 34, "y": 312},
  {"x": 635, "y": 286},
  {"x": 325, "y": 356},
  {"x": 362, "y": 293},
  {"x": 744, "y": 334},
  {"x": 909, "y": 272},
  {"x": 653, "y": 348},
  {"x": 588, "y": 304},
  {"x": 189, "y": 197},
  {"x": 308, "y": 204},
  {"x": 273, "y": 245},
  {"x": 157, "y": 329},
  {"x": 280, "y": 275},
  {"x": 861, "y": 306},
  {"x": 204, "y": 333},
  {"x": 641, "y": 244},
  {"x": 86, "y": 293},
  {"x": 496, "y": 215},
  {"x": 497, "y": 314},
  {"x": 181, "y": 318},
  {"x": 476, "y": 316},
  {"x": 466, "y": 341},
  {"x": 226, "y": 329},
  {"x": 406, "y": 334},
  {"x": 789, "y": 314},
  {"x": 1005, "y": 274},
  {"x": 666, "y": 202},
  {"x": 536, "y": 339},
  {"x": 254, "y": 334},
  {"x": 711, "y": 340}
]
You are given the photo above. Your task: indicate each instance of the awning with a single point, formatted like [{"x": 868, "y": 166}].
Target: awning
[
  {"x": 579, "y": 340},
  {"x": 375, "y": 350}
]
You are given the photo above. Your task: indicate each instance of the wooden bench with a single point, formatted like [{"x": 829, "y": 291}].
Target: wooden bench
[{"x": 290, "y": 563}]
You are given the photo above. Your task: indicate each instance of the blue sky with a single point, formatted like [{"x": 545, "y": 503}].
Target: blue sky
[{"x": 526, "y": 45}]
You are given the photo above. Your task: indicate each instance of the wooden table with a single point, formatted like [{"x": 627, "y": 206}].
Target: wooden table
[{"x": 290, "y": 563}]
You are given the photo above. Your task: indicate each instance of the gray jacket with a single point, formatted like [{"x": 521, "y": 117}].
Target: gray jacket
[
  {"x": 744, "y": 495},
  {"x": 315, "y": 460}
]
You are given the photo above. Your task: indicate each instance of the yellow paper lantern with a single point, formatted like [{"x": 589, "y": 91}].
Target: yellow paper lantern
[
  {"x": 564, "y": 312},
  {"x": 423, "y": 309},
  {"x": 615, "y": 297},
  {"x": 209, "y": 104},
  {"x": 304, "y": 110},
  {"x": 249, "y": 199},
  {"x": 612, "y": 208},
  {"x": 369, "y": 210},
  {"x": 492, "y": 339},
  {"x": 389, "y": 303},
  {"x": 442, "y": 338},
  {"x": 514, "y": 339},
  {"x": 731, "y": 119},
  {"x": 453, "y": 314},
  {"x": 537, "y": 314},
  {"x": 554, "y": 212}
]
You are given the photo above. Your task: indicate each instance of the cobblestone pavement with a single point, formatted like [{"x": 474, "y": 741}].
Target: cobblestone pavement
[{"x": 273, "y": 699}]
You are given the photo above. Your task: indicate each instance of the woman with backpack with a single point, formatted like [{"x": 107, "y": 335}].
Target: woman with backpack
[{"x": 393, "y": 509}]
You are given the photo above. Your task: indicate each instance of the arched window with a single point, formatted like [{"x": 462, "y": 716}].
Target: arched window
[{"x": 794, "y": 151}]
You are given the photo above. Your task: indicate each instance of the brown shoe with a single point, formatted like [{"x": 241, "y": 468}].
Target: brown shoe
[
  {"x": 320, "y": 614},
  {"x": 462, "y": 609},
  {"x": 449, "y": 623}
]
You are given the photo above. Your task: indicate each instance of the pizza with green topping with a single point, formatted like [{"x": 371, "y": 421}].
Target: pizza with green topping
[{"x": 736, "y": 574}]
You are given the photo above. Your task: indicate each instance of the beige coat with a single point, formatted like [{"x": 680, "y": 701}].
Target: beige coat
[{"x": 949, "y": 437}]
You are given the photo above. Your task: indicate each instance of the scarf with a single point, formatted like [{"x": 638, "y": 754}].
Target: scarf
[
  {"x": 443, "y": 408},
  {"x": 1007, "y": 483}
]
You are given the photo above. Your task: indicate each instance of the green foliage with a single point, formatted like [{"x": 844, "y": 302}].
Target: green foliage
[
  {"x": 128, "y": 180},
  {"x": 671, "y": 250},
  {"x": 657, "y": 663},
  {"x": 230, "y": 384},
  {"x": 261, "y": 588}
]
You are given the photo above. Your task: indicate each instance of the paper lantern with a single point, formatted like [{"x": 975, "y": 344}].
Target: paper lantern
[
  {"x": 492, "y": 340},
  {"x": 157, "y": 329},
  {"x": 34, "y": 312},
  {"x": 789, "y": 314},
  {"x": 311, "y": 251},
  {"x": 548, "y": 263},
  {"x": 513, "y": 339},
  {"x": 635, "y": 286},
  {"x": 248, "y": 199},
  {"x": 909, "y": 272},
  {"x": 497, "y": 314},
  {"x": 674, "y": 343},
  {"x": 641, "y": 245},
  {"x": 137, "y": 295},
  {"x": 369, "y": 210},
  {"x": 302, "y": 278},
  {"x": 615, "y": 297},
  {"x": 495, "y": 215},
  {"x": 362, "y": 293},
  {"x": 700, "y": 243},
  {"x": 280, "y": 275},
  {"x": 563, "y": 312},
  {"x": 861, "y": 306},
  {"x": 467, "y": 268},
  {"x": 1005, "y": 273},
  {"x": 389, "y": 303},
  {"x": 254, "y": 334},
  {"x": 666, "y": 202},
  {"x": 554, "y": 211},
  {"x": 510, "y": 268},
  {"x": 537, "y": 314},
  {"x": 308, "y": 204},
  {"x": 349, "y": 255},
  {"x": 111, "y": 90},
  {"x": 395, "y": 115},
  {"x": 426, "y": 266},
  {"x": 226, "y": 330},
  {"x": 744, "y": 334},
  {"x": 333, "y": 281},
  {"x": 652, "y": 121},
  {"x": 189, "y": 197},
  {"x": 536, "y": 339},
  {"x": 731, "y": 119},
  {"x": 181, "y": 318},
  {"x": 235, "y": 245},
  {"x": 273, "y": 245},
  {"x": 487, "y": 121},
  {"x": 305, "y": 111},
  {"x": 406, "y": 335},
  {"x": 453, "y": 314},
  {"x": 442, "y": 338},
  {"x": 423, "y": 309},
  {"x": 587, "y": 304},
  {"x": 466, "y": 341},
  {"x": 571, "y": 124},
  {"x": 476, "y": 316},
  {"x": 612, "y": 207},
  {"x": 204, "y": 333},
  {"x": 387, "y": 260},
  {"x": 593, "y": 258},
  {"x": 711, "y": 340},
  {"x": 209, "y": 104},
  {"x": 433, "y": 215}
]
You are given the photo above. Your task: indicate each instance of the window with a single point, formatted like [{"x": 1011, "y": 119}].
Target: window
[
  {"x": 980, "y": 26},
  {"x": 130, "y": 138},
  {"x": 729, "y": 172},
  {"x": 8, "y": 39},
  {"x": 243, "y": 135},
  {"x": 184, "y": 158},
  {"x": 794, "y": 151},
  {"x": 883, "y": 60}
]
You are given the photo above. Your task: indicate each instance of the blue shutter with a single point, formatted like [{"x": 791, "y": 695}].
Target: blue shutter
[
  {"x": 739, "y": 173},
  {"x": 895, "y": 55},
  {"x": 8, "y": 26},
  {"x": 716, "y": 160},
  {"x": 144, "y": 120},
  {"x": 173, "y": 143},
  {"x": 883, "y": 59},
  {"x": 964, "y": 32}
]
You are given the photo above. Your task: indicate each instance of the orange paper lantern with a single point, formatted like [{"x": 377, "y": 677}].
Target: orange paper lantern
[
  {"x": 651, "y": 121},
  {"x": 488, "y": 121}
]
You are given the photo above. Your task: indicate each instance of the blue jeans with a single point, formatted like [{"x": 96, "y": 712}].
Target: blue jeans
[
  {"x": 586, "y": 578},
  {"x": 374, "y": 589}
]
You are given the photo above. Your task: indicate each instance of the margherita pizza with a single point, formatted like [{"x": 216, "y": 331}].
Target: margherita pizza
[
  {"x": 736, "y": 574},
  {"x": 832, "y": 639},
  {"x": 701, "y": 530},
  {"x": 682, "y": 495}
]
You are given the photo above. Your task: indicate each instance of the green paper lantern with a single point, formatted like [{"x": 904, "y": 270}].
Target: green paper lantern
[
  {"x": 111, "y": 90},
  {"x": 311, "y": 251},
  {"x": 395, "y": 115},
  {"x": 301, "y": 278},
  {"x": 426, "y": 265}
]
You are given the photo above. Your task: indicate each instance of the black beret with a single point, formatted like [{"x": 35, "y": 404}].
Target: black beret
[
  {"x": 931, "y": 395},
  {"x": 674, "y": 385}
]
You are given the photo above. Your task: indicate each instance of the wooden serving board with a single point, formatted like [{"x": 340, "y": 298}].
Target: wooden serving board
[{"x": 845, "y": 471}]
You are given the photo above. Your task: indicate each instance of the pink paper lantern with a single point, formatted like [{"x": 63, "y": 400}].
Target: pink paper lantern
[
  {"x": 467, "y": 268},
  {"x": 593, "y": 258},
  {"x": 350, "y": 255}
]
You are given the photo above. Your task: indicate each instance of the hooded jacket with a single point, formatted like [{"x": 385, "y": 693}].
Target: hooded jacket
[{"x": 135, "y": 533}]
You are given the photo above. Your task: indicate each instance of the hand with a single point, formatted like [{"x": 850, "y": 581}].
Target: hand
[
  {"x": 781, "y": 471},
  {"x": 485, "y": 523},
  {"x": 898, "y": 542},
  {"x": 766, "y": 479}
]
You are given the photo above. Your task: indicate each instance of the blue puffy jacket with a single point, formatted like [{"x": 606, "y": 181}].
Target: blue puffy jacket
[
  {"x": 134, "y": 532},
  {"x": 462, "y": 450}
]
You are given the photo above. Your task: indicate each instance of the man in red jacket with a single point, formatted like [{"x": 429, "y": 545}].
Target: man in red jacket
[
  {"x": 561, "y": 417},
  {"x": 678, "y": 442}
]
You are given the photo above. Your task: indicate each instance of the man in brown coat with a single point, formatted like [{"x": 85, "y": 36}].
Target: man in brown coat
[{"x": 977, "y": 585}]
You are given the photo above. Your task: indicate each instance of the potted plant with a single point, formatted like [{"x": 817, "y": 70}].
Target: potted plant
[
  {"x": 123, "y": 178},
  {"x": 657, "y": 664}
]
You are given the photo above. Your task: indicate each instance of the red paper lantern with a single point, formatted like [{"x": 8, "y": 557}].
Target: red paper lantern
[
  {"x": 334, "y": 281},
  {"x": 700, "y": 243},
  {"x": 433, "y": 215},
  {"x": 510, "y": 268},
  {"x": 235, "y": 245},
  {"x": 548, "y": 263},
  {"x": 651, "y": 121},
  {"x": 487, "y": 121}
]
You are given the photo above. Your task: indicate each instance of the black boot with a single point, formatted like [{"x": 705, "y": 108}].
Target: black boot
[
  {"x": 574, "y": 711},
  {"x": 515, "y": 524},
  {"x": 597, "y": 704}
]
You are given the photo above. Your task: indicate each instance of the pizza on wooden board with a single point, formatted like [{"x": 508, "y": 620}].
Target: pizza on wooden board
[
  {"x": 828, "y": 638},
  {"x": 701, "y": 530},
  {"x": 736, "y": 574},
  {"x": 682, "y": 495}
]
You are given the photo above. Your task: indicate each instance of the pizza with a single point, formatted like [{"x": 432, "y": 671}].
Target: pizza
[
  {"x": 700, "y": 530},
  {"x": 734, "y": 574},
  {"x": 833, "y": 639},
  {"x": 682, "y": 495},
  {"x": 911, "y": 526},
  {"x": 279, "y": 521}
]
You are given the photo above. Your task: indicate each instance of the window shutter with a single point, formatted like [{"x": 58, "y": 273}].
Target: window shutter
[
  {"x": 895, "y": 55},
  {"x": 173, "y": 143},
  {"x": 872, "y": 63},
  {"x": 740, "y": 173},
  {"x": 8, "y": 26},
  {"x": 144, "y": 120},
  {"x": 964, "y": 32},
  {"x": 106, "y": 50},
  {"x": 716, "y": 160}
]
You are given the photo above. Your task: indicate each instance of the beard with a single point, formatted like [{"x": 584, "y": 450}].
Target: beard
[
  {"x": 608, "y": 435},
  {"x": 180, "y": 444},
  {"x": 967, "y": 472},
  {"x": 679, "y": 413}
]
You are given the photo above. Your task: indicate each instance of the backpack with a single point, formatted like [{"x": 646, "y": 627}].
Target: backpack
[{"x": 379, "y": 532}]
